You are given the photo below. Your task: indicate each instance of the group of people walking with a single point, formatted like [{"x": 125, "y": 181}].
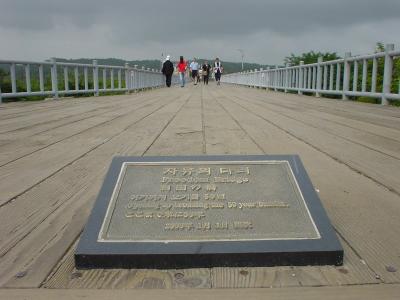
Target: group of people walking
[{"x": 194, "y": 68}]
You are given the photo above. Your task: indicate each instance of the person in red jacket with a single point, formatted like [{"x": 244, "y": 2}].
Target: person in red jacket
[{"x": 182, "y": 66}]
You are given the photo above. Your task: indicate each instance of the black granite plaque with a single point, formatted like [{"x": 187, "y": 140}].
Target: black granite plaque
[{"x": 179, "y": 212}]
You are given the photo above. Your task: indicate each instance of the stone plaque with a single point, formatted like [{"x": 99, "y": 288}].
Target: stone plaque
[{"x": 175, "y": 212}]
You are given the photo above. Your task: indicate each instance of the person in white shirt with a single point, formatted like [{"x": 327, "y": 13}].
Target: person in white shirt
[
  {"x": 194, "y": 69},
  {"x": 218, "y": 69}
]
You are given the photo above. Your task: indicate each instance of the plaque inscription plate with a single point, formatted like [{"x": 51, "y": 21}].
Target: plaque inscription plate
[
  {"x": 207, "y": 201},
  {"x": 173, "y": 212}
]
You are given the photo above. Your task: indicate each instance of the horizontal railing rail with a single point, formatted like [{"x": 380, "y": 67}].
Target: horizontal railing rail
[
  {"x": 347, "y": 77},
  {"x": 65, "y": 78}
]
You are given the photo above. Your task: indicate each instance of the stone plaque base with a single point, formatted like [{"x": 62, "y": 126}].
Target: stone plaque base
[{"x": 207, "y": 211}]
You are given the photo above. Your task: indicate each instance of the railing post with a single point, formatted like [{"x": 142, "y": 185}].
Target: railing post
[
  {"x": 54, "y": 80},
  {"x": 319, "y": 77},
  {"x": 95, "y": 78},
  {"x": 66, "y": 84},
  {"x": 85, "y": 74},
  {"x": 286, "y": 81},
  {"x": 119, "y": 79},
  {"x": 374, "y": 73},
  {"x": 301, "y": 78},
  {"x": 131, "y": 79},
  {"x": 104, "y": 79},
  {"x": 364, "y": 76},
  {"x": 13, "y": 78},
  {"x": 387, "y": 74},
  {"x": 276, "y": 78},
  {"x": 355, "y": 77},
  {"x": 127, "y": 83},
  {"x": 338, "y": 75},
  {"x": 331, "y": 77},
  {"x": 136, "y": 78},
  {"x": 142, "y": 78},
  {"x": 148, "y": 78},
  {"x": 28, "y": 78},
  {"x": 41, "y": 78},
  {"x": 76, "y": 75},
  {"x": 112, "y": 79},
  {"x": 346, "y": 75}
]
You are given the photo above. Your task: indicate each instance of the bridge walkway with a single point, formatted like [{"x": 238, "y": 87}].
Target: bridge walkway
[{"x": 54, "y": 155}]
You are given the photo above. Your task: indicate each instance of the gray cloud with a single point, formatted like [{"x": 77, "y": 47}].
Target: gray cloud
[{"x": 267, "y": 30}]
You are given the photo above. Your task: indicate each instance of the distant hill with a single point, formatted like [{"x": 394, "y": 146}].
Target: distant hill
[{"x": 229, "y": 67}]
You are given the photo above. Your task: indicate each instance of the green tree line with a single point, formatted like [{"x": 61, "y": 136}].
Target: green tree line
[{"x": 312, "y": 57}]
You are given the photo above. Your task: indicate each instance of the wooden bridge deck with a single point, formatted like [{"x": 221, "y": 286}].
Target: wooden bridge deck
[{"x": 54, "y": 155}]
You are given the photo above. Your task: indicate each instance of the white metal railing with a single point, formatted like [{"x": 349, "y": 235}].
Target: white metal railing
[
  {"x": 114, "y": 78},
  {"x": 329, "y": 77}
]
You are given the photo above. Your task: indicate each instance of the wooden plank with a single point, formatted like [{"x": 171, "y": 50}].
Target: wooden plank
[
  {"x": 46, "y": 220},
  {"x": 28, "y": 109},
  {"x": 47, "y": 121},
  {"x": 352, "y": 272},
  {"x": 351, "y": 109},
  {"x": 364, "y": 292},
  {"x": 373, "y": 164},
  {"x": 25, "y": 146},
  {"x": 45, "y": 115},
  {"x": 21, "y": 175},
  {"x": 184, "y": 135},
  {"x": 304, "y": 276},
  {"x": 181, "y": 136},
  {"x": 368, "y": 225},
  {"x": 222, "y": 134},
  {"x": 41, "y": 225},
  {"x": 66, "y": 276},
  {"x": 381, "y": 139}
]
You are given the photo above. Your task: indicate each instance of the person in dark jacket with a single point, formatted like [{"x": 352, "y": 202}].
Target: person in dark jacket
[
  {"x": 168, "y": 70},
  {"x": 206, "y": 72}
]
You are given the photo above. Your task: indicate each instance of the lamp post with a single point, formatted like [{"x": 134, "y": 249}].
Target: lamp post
[{"x": 242, "y": 54}]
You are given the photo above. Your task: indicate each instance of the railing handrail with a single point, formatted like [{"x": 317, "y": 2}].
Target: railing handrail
[
  {"x": 327, "y": 77},
  {"x": 62, "y": 63},
  {"x": 134, "y": 78}
]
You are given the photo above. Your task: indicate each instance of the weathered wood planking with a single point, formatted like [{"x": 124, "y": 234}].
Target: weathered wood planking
[
  {"x": 350, "y": 198},
  {"x": 364, "y": 292},
  {"x": 372, "y": 163},
  {"x": 43, "y": 215},
  {"x": 42, "y": 164},
  {"x": 43, "y": 222},
  {"x": 24, "y": 146}
]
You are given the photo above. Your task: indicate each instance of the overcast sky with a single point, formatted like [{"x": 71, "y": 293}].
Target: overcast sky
[{"x": 267, "y": 30}]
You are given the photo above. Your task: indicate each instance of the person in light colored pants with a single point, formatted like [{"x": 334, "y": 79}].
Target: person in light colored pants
[{"x": 182, "y": 78}]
